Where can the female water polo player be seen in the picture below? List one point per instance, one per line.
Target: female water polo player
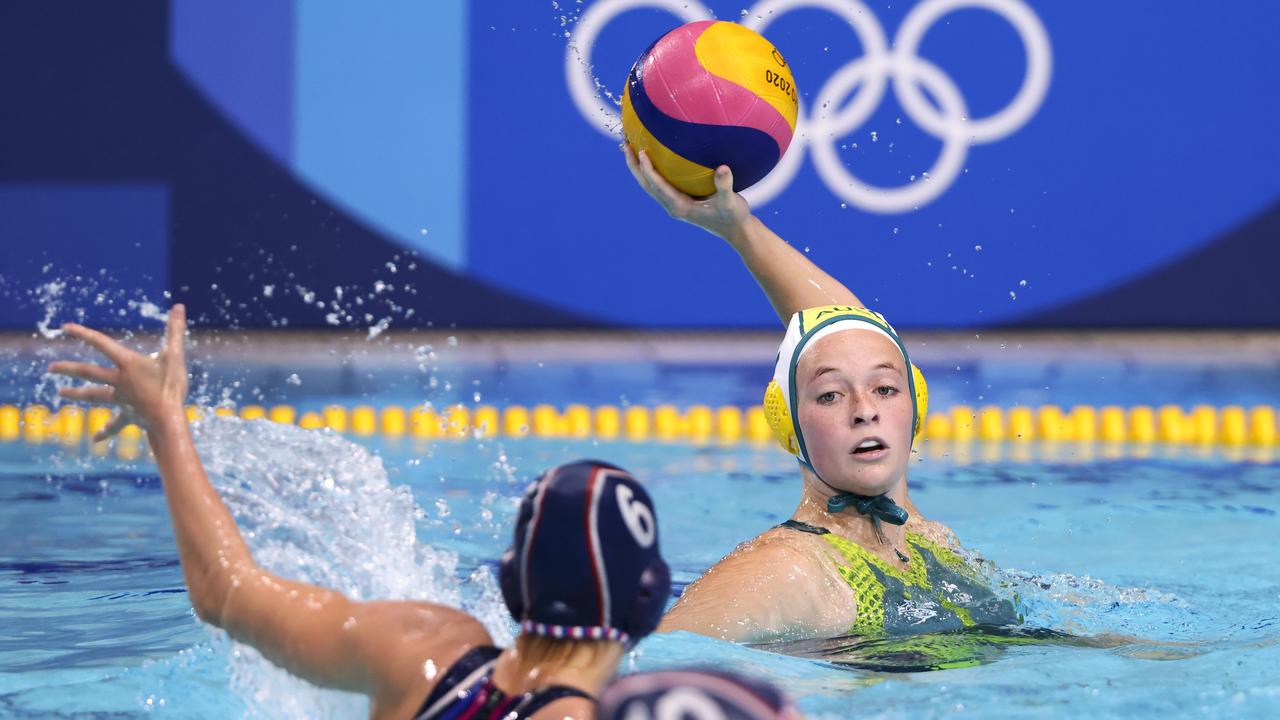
(856, 556)
(413, 659)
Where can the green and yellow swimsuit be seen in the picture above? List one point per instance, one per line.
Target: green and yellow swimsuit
(935, 612)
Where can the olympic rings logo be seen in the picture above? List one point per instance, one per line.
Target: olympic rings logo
(864, 80)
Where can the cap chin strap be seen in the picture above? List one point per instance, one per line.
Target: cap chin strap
(877, 507)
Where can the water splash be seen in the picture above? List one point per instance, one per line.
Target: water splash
(318, 508)
(149, 310)
(96, 298)
(1084, 605)
(49, 295)
(378, 328)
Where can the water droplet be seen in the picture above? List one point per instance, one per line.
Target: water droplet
(1022, 283)
(874, 137)
(294, 380)
(895, 231)
(1013, 295)
(452, 341)
(977, 248)
(379, 328)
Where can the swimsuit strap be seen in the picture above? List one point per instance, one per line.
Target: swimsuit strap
(474, 665)
(470, 676)
(803, 527)
(543, 697)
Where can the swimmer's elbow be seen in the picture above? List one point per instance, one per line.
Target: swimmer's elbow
(209, 613)
(211, 591)
(208, 605)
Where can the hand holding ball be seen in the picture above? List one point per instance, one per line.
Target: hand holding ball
(706, 94)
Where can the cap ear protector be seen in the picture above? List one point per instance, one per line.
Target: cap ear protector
(585, 562)
(802, 329)
(650, 601)
(779, 416)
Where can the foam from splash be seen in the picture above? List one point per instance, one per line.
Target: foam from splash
(1085, 605)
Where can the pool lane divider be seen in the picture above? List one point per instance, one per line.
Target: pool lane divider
(1202, 425)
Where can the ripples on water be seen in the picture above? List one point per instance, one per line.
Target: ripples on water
(98, 588)
(312, 506)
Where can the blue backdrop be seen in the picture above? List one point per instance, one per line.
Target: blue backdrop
(961, 163)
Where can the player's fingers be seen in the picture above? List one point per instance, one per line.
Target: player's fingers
(175, 331)
(633, 164)
(116, 352)
(118, 423)
(95, 394)
(84, 371)
(724, 180)
(664, 191)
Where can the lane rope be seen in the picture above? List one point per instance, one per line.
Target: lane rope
(1201, 425)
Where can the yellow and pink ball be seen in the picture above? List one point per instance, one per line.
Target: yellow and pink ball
(706, 94)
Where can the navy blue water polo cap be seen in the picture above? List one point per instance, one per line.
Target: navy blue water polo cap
(692, 694)
(585, 562)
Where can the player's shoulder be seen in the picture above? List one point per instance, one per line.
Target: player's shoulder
(935, 532)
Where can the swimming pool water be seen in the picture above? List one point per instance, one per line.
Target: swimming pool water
(1176, 550)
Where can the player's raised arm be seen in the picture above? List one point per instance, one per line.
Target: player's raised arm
(789, 279)
(314, 632)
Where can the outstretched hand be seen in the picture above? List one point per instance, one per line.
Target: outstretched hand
(144, 387)
(724, 214)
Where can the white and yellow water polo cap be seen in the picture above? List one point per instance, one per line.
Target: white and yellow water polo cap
(806, 328)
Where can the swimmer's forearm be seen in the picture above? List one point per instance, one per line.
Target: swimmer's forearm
(212, 551)
(789, 279)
